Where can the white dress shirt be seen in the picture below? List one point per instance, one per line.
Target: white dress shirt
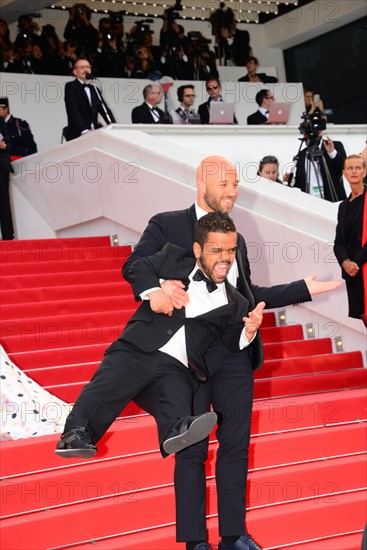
(201, 301)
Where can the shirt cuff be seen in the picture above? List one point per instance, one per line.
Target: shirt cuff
(333, 154)
(144, 296)
(244, 342)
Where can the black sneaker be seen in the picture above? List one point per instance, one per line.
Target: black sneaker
(76, 443)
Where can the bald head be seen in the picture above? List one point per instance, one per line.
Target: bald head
(217, 184)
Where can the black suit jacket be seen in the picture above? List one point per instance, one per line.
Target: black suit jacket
(204, 113)
(257, 118)
(22, 141)
(177, 227)
(143, 115)
(81, 115)
(265, 78)
(150, 331)
(335, 167)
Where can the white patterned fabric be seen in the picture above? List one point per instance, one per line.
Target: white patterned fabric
(27, 409)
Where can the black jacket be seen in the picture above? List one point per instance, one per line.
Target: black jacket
(21, 137)
(257, 118)
(177, 227)
(143, 115)
(150, 331)
(81, 115)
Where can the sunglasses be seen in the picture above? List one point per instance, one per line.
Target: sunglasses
(189, 95)
(209, 88)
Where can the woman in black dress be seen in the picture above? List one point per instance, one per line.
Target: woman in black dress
(350, 245)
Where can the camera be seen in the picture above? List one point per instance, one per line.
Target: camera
(172, 12)
(313, 125)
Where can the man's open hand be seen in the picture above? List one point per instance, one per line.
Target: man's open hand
(318, 287)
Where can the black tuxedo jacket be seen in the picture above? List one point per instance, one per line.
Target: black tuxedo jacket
(149, 331)
(257, 118)
(204, 113)
(335, 167)
(143, 115)
(340, 247)
(177, 227)
(81, 115)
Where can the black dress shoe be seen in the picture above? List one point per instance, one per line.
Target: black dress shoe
(203, 546)
(188, 431)
(243, 543)
(76, 443)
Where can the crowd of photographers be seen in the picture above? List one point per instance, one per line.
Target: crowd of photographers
(115, 53)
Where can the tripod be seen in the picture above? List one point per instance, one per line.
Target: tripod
(315, 160)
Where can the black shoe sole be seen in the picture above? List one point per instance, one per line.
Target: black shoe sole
(199, 429)
(81, 453)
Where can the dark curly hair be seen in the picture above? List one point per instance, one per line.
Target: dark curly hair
(214, 222)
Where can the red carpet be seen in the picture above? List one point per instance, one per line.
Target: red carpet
(62, 302)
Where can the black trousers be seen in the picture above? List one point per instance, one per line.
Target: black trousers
(125, 372)
(230, 391)
(6, 220)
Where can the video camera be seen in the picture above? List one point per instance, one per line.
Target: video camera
(172, 12)
(313, 125)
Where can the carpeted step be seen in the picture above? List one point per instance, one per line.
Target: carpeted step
(310, 383)
(70, 307)
(138, 510)
(269, 388)
(339, 541)
(277, 483)
(59, 356)
(9, 250)
(52, 269)
(75, 372)
(91, 253)
(66, 292)
(97, 276)
(281, 334)
(310, 364)
(61, 330)
(277, 418)
(297, 348)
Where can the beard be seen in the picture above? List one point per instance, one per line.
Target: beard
(215, 204)
(209, 271)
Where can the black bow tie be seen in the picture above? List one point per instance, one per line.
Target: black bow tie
(86, 85)
(210, 285)
(266, 112)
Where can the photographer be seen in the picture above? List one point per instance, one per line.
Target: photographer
(319, 167)
(175, 61)
(80, 30)
(110, 57)
(232, 45)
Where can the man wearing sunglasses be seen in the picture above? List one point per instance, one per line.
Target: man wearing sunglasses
(264, 99)
(214, 90)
